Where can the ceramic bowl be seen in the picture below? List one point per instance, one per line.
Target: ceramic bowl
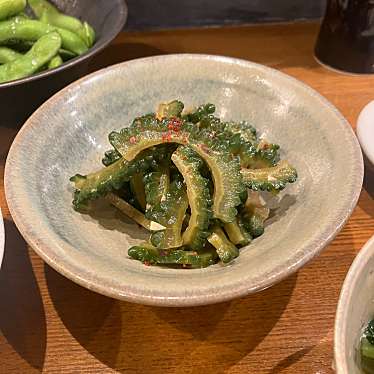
(18, 99)
(365, 131)
(355, 310)
(68, 134)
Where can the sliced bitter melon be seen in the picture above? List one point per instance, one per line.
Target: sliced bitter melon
(270, 179)
(94, 185)
(170, 213)
(225, 249)
(111, 178)
(224, 168)
(133, 213)
(137, 188)
(254, 214)
(237, 232)
(148, 254)
(156, 186)
(189, 163)
(169, 110)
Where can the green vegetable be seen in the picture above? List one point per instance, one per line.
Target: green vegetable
(224, 168)
(137, 188)
(237, 232)
(55, 62)
(241, 139)
(151, 255)
(169, 110)
(49, 14)
(9, 8)
(42, 52)
(367, 348)
(8, 55)
(170, 213)
(189, 173)
(156, 185)
(254, 214)
(132, 213)
(20, 28)
(270, 179)
(95, 185)
(98, 184)
(189, 164)
(225, 249)
(369, 332)
(201, 112)
(110, 157)
(66, 55)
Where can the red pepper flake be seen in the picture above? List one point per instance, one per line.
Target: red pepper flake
(133, 140)
(167, 137)
(174, 124)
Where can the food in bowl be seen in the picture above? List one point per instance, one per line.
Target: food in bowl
(28, 46)
(367, 348)
(192, 180)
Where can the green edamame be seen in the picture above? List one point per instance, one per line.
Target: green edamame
(66, 55)
(23, 46)
(55, 62)
(48, 13)
(89, 33)
(8, 55)
(71, 41)
(28, 45)
(40, 54)
(9, 8)
(19, 28)
(39, 7)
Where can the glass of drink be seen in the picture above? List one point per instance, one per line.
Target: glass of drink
(346, 38)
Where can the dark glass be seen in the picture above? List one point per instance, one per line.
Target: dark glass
(346, 38)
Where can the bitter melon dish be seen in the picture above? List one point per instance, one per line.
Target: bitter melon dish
(192, 180)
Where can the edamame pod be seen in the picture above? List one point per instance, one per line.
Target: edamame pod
(9, 8)
(55, 62)
(8, 55)
(66, 55)
(89, 34)
(49, 14)
(23, 46)
(39, 55)
(19, 28)
(41, 6)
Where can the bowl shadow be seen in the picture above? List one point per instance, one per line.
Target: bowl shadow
(22, 317)
(136, 338)
(110, 218)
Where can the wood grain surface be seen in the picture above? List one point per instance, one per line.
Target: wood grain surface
(51, 325)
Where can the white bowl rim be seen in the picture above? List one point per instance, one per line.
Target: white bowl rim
(208, 298)
(345, 296)
(364, 124)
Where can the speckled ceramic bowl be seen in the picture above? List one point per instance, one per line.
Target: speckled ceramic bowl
(355, 310)
(68, 134)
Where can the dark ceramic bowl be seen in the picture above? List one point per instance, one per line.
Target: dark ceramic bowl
(18, 99)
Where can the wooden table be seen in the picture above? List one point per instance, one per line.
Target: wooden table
(51, 325)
